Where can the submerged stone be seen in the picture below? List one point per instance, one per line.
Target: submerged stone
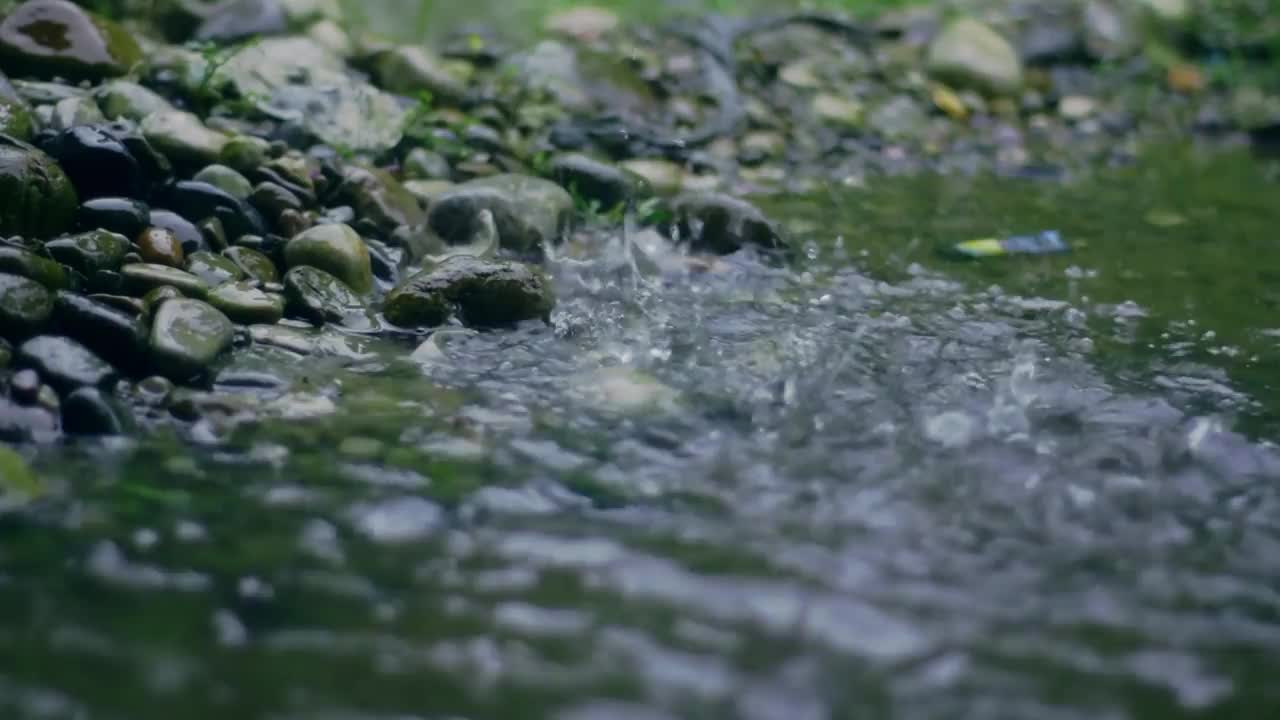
(187, 336)
(48, 38)
(336, 249)
(25, 306)
(64, 363)
(529, 212)
(970, 54)
(484, 293)
(36, 198)
(318, 297)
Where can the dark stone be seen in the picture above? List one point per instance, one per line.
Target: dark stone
(593, 180)
(187, 336)
(48, 38)
(161, 247)
(241, 19)
(125, 216)
(253, 264)
(271, 199)
(36, 198)
(48, 273)
(187, 233)
(64, 363)
(215, 236)
(117, 334)
(485, 293)
(98, 164)
(90, 252)
(304, 194)
(25, 306)
(318, 297)
(198, 200)
(89, 412)
(720, 224)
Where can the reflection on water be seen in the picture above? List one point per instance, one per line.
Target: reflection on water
(873, 486)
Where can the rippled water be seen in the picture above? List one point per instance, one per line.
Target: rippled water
(875, 485)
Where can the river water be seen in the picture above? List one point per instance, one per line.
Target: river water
(875, 484)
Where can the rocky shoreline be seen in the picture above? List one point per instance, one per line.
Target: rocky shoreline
(252, 173)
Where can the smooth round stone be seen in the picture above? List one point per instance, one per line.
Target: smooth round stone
(48, 273)
(336, 249)
(593, 180)
(485, 293)
(98, 163)
(245, 153)
(721, 224)
(161, 247)
(116, 332)
(245, 304)
(24, 387)
(129, 100)
(187, 336)
(25, 306)
(226, 180)
(91, 251)
(64, 363)
(181, 137)
(253, 264)
(57, 38)
(315, 295)
(271, 199)
(528, 212)
(37, 200)
(380, 199)
(141, 278)
(89, 412)
(186, 231)
(215, 236)
(125, 216)
(198, 200)
(213, 269)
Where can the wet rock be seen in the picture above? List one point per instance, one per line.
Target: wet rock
(125, 216)
(720, 224)
(662, 176)
(182, 138)
(89, 412)
(380, 198)
(36, 198)
(315, 295)
(227, 180)
(241, 19)
(16, 120)
(483, 293)
(529, 212)
(245, 153)
(214, 235)
(971, 55)
(422, 164)
(90, 252)
(73, 112)
(198, 200)
(187, 336)
(156, 296)
(141, 278)
(188, 235)
(98, 164)
(246, 304)
(585, 23)
(411, 69)
(253, 264)
(16, 261)
(272, 200)
(64, 363)
(116, 334)
(213, 269)
(25, 306)
(129, 100)
(57, 38)
(336, 249)
(161, 247)
(336, 107)
(1110, 32)
(593, 180)
(26, 424)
